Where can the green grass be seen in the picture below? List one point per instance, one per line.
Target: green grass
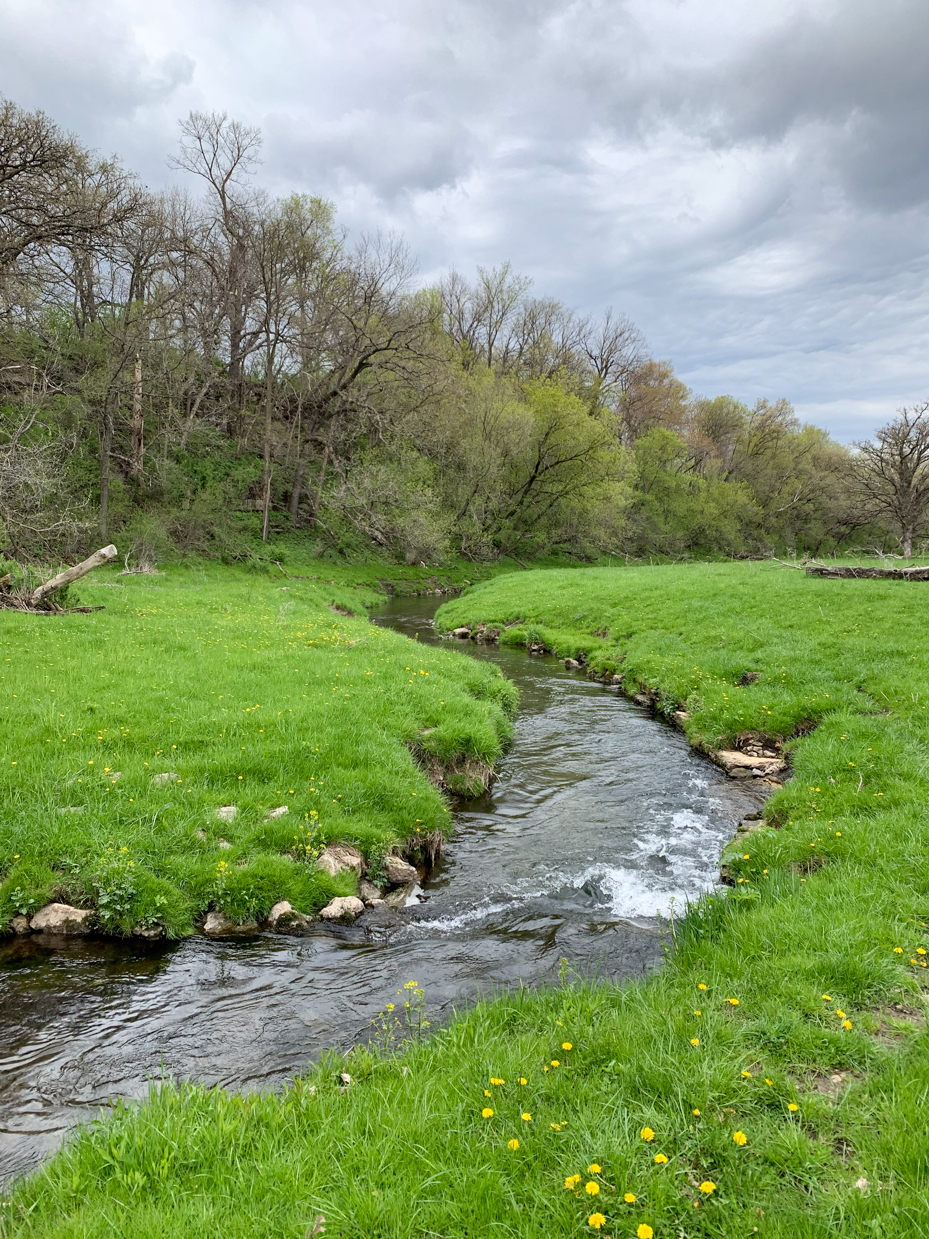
(248, 693)
(742, 1023)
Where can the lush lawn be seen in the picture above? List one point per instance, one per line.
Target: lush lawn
(780, 1059)
(247, 691)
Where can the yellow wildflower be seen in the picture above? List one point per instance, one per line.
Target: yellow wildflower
(846, 1024)
(591, 1188)
(707, 1187)
(701, 986)
(647, 1134)
(645, 1231)
(696, 1114)
(733, 1002)
(747, 1075)
(572, 1181)
(629, 1197)
(523, 1080)
(555, 1062)
(526, 1117)
(660, 1159)
(793, 1107)
(566, 1045)
(487, 1113)
(512, 1144)
(593, 1168)
(694, 1040)
(740, 1138)
(596, 1220)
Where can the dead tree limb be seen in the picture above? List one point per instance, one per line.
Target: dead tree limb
(847, 572)
(103, 556)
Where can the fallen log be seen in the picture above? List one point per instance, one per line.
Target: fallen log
(849, 572)
(97, 560)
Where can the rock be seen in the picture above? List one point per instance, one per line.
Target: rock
(227, 813)
(571, 664)
(61, 918)
(278, 812)
(150, 933)
(345, 908)
(380, 920)
(642, 699)
(20, 925)
(169, 776)
(399, 871)
(368, 892)
(740, 765)
(746, 826)
(397, 898)
(461, 633)
(223, 843)
(218, 925)
(284, 918)
(681, 716)
(617, 679)
(201, 835)
(338, 857)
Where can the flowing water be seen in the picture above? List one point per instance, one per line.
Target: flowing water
(601, 817)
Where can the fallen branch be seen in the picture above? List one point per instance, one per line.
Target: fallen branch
(97, 560)
(849, 572)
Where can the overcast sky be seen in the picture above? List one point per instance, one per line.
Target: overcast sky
(747, 179)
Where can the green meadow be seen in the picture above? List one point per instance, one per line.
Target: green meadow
(772, 1079)
(126, 730)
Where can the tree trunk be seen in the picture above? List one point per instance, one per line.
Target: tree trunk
(906, 542)
(266, 492)
(103, 556)
(106, 448)
(298, 486)
(137, 422)
(322, 481)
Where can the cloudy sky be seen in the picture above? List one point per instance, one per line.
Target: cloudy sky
(747, 179)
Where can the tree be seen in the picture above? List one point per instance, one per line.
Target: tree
(893, 474)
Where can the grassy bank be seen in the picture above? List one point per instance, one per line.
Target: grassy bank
(127, 729)
(772, 1079)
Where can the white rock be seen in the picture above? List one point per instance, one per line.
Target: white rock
(151, 933)
(399, 895)
(368, 892)
(227, 813)
(571, 664)
(218, 925)
(223, 843)
(345, 908)
(61, 918)
(338, 857)
(399, 871)
(168, 776)
(283, 917)
(278, 812)
(461, 633)
(20, 925)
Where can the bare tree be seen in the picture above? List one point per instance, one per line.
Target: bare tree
(893, 474)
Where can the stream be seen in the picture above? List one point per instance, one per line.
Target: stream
(601, 817)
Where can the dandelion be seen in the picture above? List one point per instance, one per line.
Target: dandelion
(591, 1188)
(526, 1117)
(647, 1134)
(740, 1138)
(694, 1040)
(846, 1024)
(495, 1080)
(555, 1126)
(767, 1081)
(512, 1144)
(660, 1159)
(572, 1181)
(486, 1090)
(827, 998)
(793, 1107)
(747, 1075)
(698, 1013)
(629, 1198)
(733, 1002)
(555, 1062)
(523, 1080)
(696, 1114)
(487, 1113)
(596, 1220)
(707, 1187)
(566, 1045)
(920, 950)
(701, 986)
(593, 1168)
(645, 1231)
(840, 1014)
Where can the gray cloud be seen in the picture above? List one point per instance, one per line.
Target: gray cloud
(749, 182)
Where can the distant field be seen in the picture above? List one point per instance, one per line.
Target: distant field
(772, 1079)
(248, 692)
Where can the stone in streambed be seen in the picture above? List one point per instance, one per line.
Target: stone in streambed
(571, 664)
(149, 933)
(380, 920)
(218, 925)
(20, 925)
(284, 918)
(344, 908)
(398, 871)
(397, 898)
(369, 893)
(338, 857)
(61, 918)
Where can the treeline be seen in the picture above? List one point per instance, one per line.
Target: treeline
(190, 373)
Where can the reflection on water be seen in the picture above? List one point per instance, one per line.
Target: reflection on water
(601, 818)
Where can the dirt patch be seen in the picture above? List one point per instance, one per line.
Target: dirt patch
(898, 1021)
(466, 777)
(829, 1085)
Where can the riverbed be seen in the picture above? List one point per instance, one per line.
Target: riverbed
(602, 819)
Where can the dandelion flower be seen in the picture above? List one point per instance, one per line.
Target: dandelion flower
(647, 1134)
(694, 1040)
(660, 1159)
(707, 1187)
(591, 1188)
(793, 1107)
(701, 986)
(645, 1231)
(696, 1114)
(555, 1126)
(733, 1002)
(566, 1045)
(572, 1181)
(767, 1081)
(593, 1168)
(526, 1116)
(487, 1113)
(512, 1144)
(629, 1197)
(840, 1014)
(846, 1024)
(486, 1092)
(920, 950)
(555, 1062)
(496, 1080)
(523, 1080)
(698, 1012)
(596, 1220)
(740, 1138)
(747, 1075)
(827, 998)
